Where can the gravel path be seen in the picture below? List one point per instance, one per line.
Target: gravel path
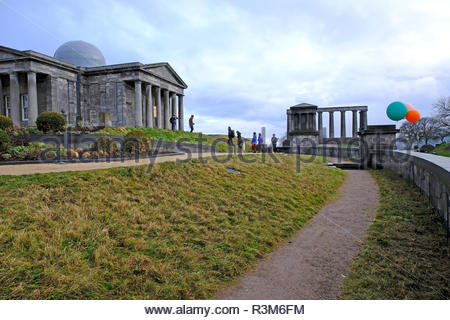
(313, 264)
(22, 169)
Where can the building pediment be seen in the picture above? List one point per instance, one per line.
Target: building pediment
(165, 71)
(8, 53)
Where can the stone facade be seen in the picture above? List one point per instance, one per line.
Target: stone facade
(129, 94)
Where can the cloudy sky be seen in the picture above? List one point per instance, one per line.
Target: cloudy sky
(246, 62)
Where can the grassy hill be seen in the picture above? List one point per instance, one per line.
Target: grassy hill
(443, 149)
(180, 231)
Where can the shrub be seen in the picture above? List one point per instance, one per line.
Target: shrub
(136, 142)
(426, 148)
(50, 121)
(79, 150)
(19, 136)
(86, 155)
(5, 141)
(6, 123)
(49, 155)
(72, 154)
(6, 156)
(105, 145)
(30, 152)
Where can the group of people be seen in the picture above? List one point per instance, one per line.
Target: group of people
(257, 141)
(173, 121)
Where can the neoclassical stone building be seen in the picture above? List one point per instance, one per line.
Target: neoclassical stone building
(77, 83)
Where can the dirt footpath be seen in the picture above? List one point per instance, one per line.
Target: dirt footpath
(313, 264)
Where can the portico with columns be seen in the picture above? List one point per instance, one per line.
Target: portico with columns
(301, 123)
(121, 95)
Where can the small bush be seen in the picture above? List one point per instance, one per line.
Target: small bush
(50, 121)
(5, 141)
(105, 145)
(30, 152)
(6, 156)
(6, 123)
(136, 142)
(72, 154)
(86, 155)
(19, 136)
(49, 155)
(426, 148)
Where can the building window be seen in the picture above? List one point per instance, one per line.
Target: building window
(24, 104)
(7, 106)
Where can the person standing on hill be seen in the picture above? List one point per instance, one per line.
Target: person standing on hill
(254, 142)
(230, 136)
(173, 121)
(191, 123)
(239, 140)
(260, 142)
(274, 143)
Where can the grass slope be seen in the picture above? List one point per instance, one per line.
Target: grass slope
(406, 255)
(179, 232)
(443, 150)
(169, 135)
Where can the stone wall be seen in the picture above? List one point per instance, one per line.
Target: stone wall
(428, 172)
(84, 141)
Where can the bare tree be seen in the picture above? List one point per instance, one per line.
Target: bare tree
(428, 128)
(442, 107)
(410, 131)
(443, 132)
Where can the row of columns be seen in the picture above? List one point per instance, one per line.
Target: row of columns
(14, 98)
(362, 123)
(162, 121)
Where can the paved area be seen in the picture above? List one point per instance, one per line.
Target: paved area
(313, 264)
(23, 169)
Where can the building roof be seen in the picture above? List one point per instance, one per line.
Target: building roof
(80, 53)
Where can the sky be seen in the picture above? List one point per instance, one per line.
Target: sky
(246, 62)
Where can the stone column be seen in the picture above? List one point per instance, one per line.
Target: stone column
(149, 107)
(343, 135)
(14, 98)
(138, 103)
(354, 124)
(32, 99)
(288, 125)
(180, 113)
(331, 124)
(319, 113)
(159, 117)
(2, 103)
(166, 109)
(363, 120)
(173, 96)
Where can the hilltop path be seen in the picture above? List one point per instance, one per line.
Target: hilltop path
(314, 262)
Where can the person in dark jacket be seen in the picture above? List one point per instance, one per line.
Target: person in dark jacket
(191, 123)
(239, 140)
(173, 121)
(274, 143)
(230, 136)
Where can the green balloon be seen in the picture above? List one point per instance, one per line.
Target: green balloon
(396, 110)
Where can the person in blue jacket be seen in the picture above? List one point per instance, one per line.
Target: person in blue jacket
(254, 142)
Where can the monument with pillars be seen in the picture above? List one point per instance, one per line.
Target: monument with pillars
(303, 128)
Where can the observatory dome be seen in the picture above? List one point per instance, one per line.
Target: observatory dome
(80, 53)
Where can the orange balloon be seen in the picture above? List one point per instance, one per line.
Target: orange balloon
(409, 106)
(413, 115)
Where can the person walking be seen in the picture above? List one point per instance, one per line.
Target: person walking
(173, 121)
(274, 143)
(260, 142)
(254, 142)
(230, 136)
(239, 140)
(191, 123)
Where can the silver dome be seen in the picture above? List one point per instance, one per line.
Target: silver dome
(80, 53)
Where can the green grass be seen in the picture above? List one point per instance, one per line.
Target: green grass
(443, 150)
(181, 231)
(169, 135)
(406, 254)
